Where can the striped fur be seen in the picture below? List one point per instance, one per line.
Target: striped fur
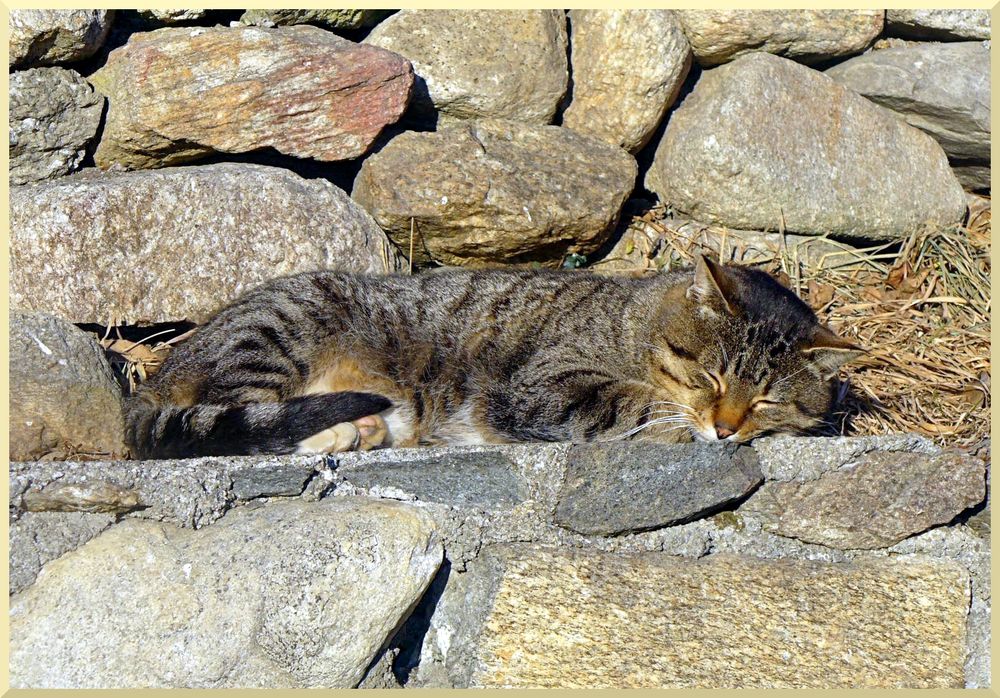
(493, 356)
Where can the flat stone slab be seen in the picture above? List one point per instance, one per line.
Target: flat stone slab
(613, 489)
(874, 502)
(544, 618)
(486, 479)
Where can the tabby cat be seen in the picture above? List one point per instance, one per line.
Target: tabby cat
(325, 361)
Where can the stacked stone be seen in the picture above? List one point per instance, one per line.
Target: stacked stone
(162, 163)
(798, 562)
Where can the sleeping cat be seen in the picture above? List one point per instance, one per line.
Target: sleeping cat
(326, 361)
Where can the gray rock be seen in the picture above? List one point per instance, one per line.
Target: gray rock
(471, 64)
(719, 36)
(106, 247)
(496, 192)
(44, 37)
(273, 481)
(54, 116)
(335, 19)
(38, 538)
(628, 68)
(190, 492)
(974, 177)
(482, 480)
(618, 488)
(64, 400)
(805, 458)
(172, 16)
(938, 24)
(764, 143)
(942, 89)
(874, 502)
(285, 595)
(302, 91)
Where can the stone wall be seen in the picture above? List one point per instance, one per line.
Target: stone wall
(535, 565)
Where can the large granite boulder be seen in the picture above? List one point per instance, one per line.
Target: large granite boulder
(628, 67)
(764, 143)
(45, 37)
(291, 595)
(470, 64)
(942, 89)
(174, 244)
(719, 36)
(54, 117)
(496, 192)
(176, 94)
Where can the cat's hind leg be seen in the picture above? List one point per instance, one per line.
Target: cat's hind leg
(360, 435)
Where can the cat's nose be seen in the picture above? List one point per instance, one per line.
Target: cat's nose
(723, 431)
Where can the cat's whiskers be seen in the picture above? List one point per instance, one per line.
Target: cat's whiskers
(678, 421)
(668, 402)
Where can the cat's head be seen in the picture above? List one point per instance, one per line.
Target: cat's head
(743, 356)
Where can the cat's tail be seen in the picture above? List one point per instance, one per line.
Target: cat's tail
(154, 429)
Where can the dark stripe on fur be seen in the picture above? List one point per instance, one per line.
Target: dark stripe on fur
(167, 431)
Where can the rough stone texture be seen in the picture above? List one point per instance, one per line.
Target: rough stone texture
(538, 617)
(960, 544)
(719, 36)
(177, 94)
(874, 502)
(54, 116)
(190, 492)
(801, 459)
(470, 64)
(938, 24)
(973, 177)
(150, 605)
(942, 89)
(628, 67)
(64, 400)
(486, 480)
(764, 143)
(37, 538)
(335, 19)
(44, 37)
(277, 481)
(94, 496)
(91, 248)
(614, 489)
(172, 16)
(496, 192)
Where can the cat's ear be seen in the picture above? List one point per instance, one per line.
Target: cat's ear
(712, 284)
(829, 351)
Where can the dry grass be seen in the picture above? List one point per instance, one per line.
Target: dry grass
(921, 308)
